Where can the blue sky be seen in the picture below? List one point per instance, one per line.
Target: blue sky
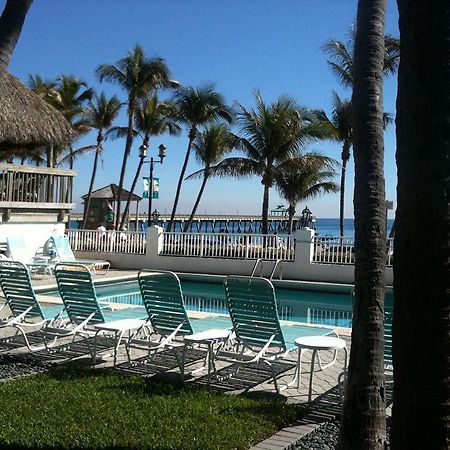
(239, 45)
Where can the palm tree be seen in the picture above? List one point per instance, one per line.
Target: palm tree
(296, 186)
(70, 97)
(363, 422)
(137, 75)
(11, 22)
(272, 138)
(210, 146)
(153, 118)
(100, 113)
(342, 131)
(197, 107)
(420, 416)
(342, 57)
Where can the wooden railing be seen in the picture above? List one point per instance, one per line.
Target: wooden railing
(35, 187)
(224, 245)
(341, 250)
(107, 241)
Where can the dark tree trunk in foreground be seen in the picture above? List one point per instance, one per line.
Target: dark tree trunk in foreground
(192, 135)
(363, 423)
(11, 23)
(421, 328)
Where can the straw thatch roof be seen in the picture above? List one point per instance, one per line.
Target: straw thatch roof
(111, 192)
(27, 121)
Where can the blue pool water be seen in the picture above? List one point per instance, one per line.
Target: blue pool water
(299, 305)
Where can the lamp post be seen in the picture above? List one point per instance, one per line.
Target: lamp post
(306, 217)
(142, 154)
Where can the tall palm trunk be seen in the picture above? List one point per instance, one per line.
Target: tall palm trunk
(363, 423)
(11, 23)
(265, 209)
(133, 185)
(421, 328)
(192, 135)
(345, 158)
(197, 202)
(291, 212)
(94, 173)
(126, 154)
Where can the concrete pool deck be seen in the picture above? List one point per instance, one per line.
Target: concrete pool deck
(325, 403)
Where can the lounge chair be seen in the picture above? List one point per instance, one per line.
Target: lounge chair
(163, 299)
(37, 263)
(26, 311)
(87, 318)
(65, 254)
(259, 335)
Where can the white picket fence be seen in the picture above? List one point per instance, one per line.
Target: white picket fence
(341, 250)
(224, 245)
(109, 241)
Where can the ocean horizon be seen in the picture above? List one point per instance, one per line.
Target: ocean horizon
(324, 226)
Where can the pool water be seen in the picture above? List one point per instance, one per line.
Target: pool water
(299, 305)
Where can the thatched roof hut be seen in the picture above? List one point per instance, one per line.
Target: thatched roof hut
(27, 121)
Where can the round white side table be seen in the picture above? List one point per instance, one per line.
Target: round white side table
(317, 343)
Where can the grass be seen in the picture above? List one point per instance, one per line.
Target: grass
(96, 408)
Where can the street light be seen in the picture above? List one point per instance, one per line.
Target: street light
(142, 154)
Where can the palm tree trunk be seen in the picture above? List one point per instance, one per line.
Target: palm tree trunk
(363, 422)
(265, 209)
(345, 158)
(133, 185)
(11, 23)
(194, 209)
(94, 173)
(126, 154)
(192, 135)
(291, 212)
(421, 325)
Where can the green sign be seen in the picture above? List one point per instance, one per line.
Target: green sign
(155, 187)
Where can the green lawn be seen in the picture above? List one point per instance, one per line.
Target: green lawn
(88, 408)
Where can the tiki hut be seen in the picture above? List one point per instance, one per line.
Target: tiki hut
(27, 121)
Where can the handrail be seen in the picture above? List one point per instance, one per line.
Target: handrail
(259, 260)
(278, 262)
(35, 169)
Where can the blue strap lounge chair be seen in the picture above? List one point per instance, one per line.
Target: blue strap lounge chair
(87, 317)
(65, 254)
(26, 312)
(259, 335)
(163, 299)
(37, 263)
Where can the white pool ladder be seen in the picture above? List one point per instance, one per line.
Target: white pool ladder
(260, 262)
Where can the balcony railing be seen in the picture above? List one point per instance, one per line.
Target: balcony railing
(35, 187)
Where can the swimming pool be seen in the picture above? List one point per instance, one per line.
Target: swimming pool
(312, 303)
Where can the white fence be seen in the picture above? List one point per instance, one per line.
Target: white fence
(341, 250)
(109, 241)
(224, 245)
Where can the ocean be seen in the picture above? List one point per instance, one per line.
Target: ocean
(324, 226)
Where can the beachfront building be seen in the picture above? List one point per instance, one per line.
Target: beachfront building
(34, 201)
